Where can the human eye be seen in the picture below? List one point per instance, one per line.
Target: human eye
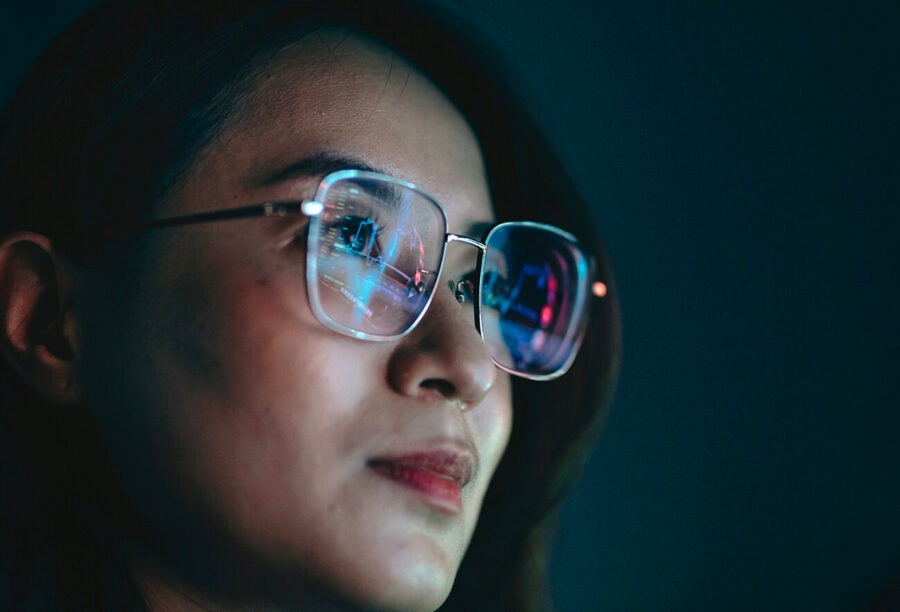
(358, 233)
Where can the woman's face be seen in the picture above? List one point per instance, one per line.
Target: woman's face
(268, 455)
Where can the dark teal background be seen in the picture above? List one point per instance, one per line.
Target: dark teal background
(743, 160)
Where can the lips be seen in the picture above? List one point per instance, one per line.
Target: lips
(438, 476)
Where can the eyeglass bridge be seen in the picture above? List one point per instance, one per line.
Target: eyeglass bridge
(464, 289)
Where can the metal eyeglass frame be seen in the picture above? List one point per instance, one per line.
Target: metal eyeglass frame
(313, 208)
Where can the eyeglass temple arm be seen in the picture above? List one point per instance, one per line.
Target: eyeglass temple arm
(310, 208)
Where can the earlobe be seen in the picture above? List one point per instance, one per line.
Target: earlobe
(37, 331)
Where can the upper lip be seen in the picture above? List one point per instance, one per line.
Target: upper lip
(456, 464)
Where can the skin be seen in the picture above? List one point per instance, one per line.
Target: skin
(243, 429)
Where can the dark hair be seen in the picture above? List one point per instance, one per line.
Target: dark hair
(110, 118)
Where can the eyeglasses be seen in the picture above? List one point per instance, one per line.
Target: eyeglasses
(375, 249)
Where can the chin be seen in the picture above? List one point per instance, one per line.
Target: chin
(408, 584)
(423, 587)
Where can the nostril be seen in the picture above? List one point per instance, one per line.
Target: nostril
(442, 387)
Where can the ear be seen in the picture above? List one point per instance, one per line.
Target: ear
(37, 326)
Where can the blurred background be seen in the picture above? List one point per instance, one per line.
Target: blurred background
(743, 159)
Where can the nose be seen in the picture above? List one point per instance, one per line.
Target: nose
(443, 356)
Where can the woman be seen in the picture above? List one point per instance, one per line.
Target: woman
(235, 376)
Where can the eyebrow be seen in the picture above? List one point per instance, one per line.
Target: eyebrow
(318, 166)
(324, 163)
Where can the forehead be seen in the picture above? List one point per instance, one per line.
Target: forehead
(339, 93)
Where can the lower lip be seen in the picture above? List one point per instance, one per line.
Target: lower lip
(440, 492)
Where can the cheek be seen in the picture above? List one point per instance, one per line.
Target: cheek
(492, 424)
(278, 422)
(238, 326)
(209, 385)
(247, 371)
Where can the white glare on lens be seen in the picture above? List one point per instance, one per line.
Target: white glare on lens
(312, 208)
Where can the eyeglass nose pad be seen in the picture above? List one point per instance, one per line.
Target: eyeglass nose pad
(462, 290)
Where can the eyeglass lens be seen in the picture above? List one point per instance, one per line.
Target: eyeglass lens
(533, 298)
(379, 247)
(375, 253)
